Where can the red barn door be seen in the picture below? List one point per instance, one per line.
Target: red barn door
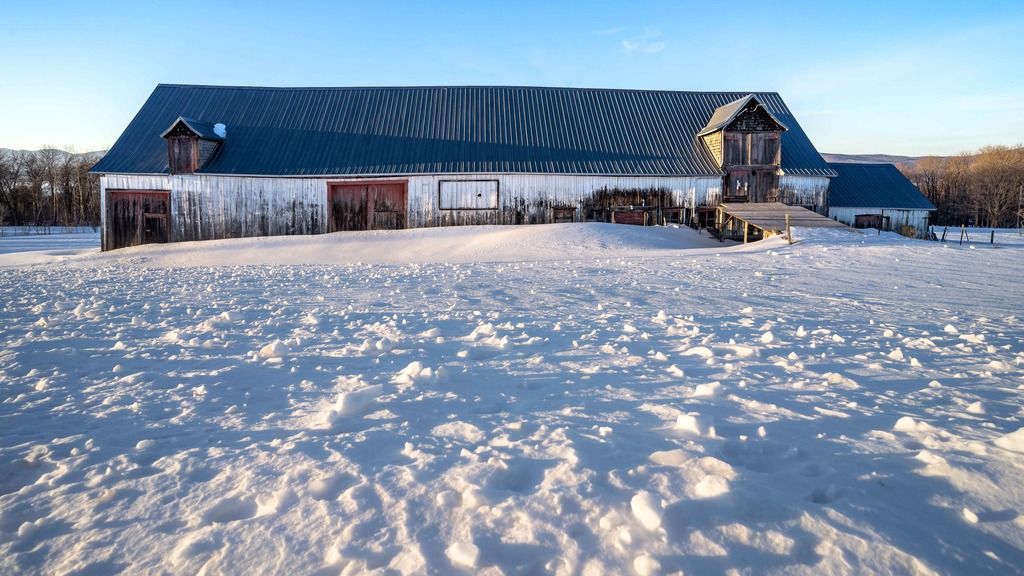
(137, 217)
(368, 206)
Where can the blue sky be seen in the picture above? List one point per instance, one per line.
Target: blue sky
(861, 77)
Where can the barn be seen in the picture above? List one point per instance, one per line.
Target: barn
(211, 162)
(878, 196)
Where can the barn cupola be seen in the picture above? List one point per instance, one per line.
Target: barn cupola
(191, 143)
(745, 139)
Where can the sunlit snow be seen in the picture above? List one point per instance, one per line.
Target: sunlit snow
(558, 399)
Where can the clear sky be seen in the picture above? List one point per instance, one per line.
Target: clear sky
(864, 76)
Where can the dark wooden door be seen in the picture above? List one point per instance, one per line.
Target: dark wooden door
(137, 217)
(737, 186)
(348, 208)
(368, 206)
(749, 185)
(387, 204)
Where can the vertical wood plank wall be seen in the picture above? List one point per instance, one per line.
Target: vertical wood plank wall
(205, 207)
(809, 191)
(918, 219)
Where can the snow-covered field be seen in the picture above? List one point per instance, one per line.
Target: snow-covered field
(997, 236)
(33, 238)
(522, 400)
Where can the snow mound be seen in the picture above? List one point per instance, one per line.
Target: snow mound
(275, 349)
(355, 398)
(908, 424)
(647, 509)
(1014, 441)
(695, 424)
(416, 372)
(711, 486)
(463, 554)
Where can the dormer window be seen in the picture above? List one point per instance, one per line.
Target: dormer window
(744, 133)
(191, 143)
(745, 140)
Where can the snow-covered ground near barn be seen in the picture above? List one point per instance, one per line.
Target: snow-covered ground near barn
(54, 239)
(996, 236)
(551, 399)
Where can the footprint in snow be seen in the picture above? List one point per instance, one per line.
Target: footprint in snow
(330, 486)
(826, 494)
(230, 510)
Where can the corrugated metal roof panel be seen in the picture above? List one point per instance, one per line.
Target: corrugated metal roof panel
(368, 131)
(874, 186)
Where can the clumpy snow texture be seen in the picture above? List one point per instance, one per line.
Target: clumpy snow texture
(578, 399)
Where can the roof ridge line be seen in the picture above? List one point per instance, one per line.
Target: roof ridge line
(438, 86)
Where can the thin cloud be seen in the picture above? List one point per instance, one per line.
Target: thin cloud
(609, 31)
(646, 43)
(643, 47)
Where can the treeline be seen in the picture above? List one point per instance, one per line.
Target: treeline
(48, 187)
(53, 187)
(983, 189)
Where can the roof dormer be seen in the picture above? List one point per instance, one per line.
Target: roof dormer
(191, 143)
(745, 133)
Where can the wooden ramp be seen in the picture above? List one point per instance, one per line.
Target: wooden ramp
(753, 221)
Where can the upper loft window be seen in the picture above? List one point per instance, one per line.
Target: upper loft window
(744, 133)
(468, 194)
(752, 149)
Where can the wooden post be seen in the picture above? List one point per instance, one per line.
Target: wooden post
(746, 227)
(789, 231)
(963, 231)
(944, 233)
(992, 239)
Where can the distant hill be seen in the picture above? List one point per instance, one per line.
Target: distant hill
(899, 161)
(868, 158)
(93, 156)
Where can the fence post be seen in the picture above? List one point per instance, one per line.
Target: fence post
(992, 239)
(789, 231)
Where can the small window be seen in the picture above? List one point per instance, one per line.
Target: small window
(468, 195)
(768, 149)
(734, 144)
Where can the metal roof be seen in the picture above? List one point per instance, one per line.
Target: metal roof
(204, 130)
(417, 130)
(725, 114)
(874, 186)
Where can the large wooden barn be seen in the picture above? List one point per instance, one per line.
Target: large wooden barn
(878, 196)
(209, 162)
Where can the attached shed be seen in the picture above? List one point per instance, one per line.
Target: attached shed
(878, 196)
(210, 162)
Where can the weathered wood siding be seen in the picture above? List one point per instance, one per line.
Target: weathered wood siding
(534, 198)
(808, 191)
(753, 118)
(210, 207)
(207, 207)
(713, 142)
(897, 218)
(121, 182)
